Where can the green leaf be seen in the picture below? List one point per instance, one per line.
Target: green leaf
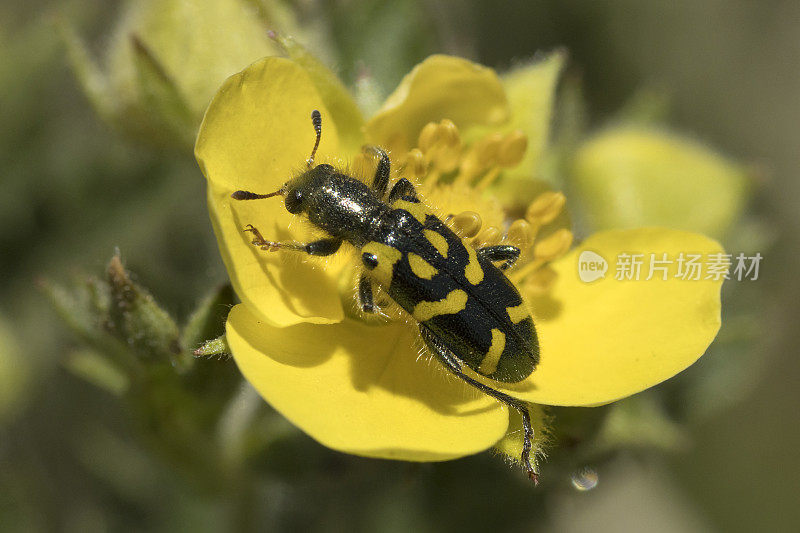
(640, 421)
(631, 176)
(89, 75)
(15, 374)
(98, 370)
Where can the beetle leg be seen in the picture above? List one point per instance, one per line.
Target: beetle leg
(381, 180)
(402, 189)
(453, 364)
(366, 300)
(321, 247)
(501, 252)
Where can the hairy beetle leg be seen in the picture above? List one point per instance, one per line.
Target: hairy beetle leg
(381, 179)
(403, 189)
(366, 300)
(452, 363)
(501, 252)
(321, 247)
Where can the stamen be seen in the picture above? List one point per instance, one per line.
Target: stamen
(466, 224)
(488, 178)
(441, 144)
(428, 136)
(521, 234)
(553, 246)
(540, 282)
(449, 132)
(489, 148)
(488, 237)
(481, 156)
(414, 164)
(545, 208)
(512, 149)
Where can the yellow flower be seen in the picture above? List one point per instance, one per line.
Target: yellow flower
(360, 385)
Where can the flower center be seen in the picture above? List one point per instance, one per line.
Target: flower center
(455, 178)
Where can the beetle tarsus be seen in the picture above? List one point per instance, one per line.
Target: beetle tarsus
(449, 359)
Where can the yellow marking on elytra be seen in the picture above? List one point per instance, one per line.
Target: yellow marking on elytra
(492, 357)
(518, 313)
(473, 271)
(454, 302)
(387, 258)
(420, 267)
(417, 209)
(438, 241)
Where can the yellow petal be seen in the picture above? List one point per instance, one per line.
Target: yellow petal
(441, 87)
(336, 96)
(631, 177)
(607, 339)
(360, 389)
(531, 91)
(255, 134)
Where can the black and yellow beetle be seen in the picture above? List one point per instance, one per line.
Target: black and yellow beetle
(468, 312)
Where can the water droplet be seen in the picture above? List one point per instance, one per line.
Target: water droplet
(585, 479)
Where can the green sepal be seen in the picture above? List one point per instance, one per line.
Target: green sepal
(85, 310)
(218, 346)
(168, 111)
(207, 321)
(139, 321)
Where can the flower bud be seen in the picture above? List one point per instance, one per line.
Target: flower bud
(137, 319)
(165, 62)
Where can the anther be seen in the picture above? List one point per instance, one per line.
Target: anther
(545, 208)
(488, 149)
(488, 237)
(428, 136)
(448, 133)
(414, 163)
(553, 246)
(521, 234)
(512, 149)
(466, 224)
(539, 282)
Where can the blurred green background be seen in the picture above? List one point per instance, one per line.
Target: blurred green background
(78, 457)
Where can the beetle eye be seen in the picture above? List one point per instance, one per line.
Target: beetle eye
(294, 201)
(370, 260)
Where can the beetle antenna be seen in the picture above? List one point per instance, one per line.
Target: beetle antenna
(316, 120)
(247, 195)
